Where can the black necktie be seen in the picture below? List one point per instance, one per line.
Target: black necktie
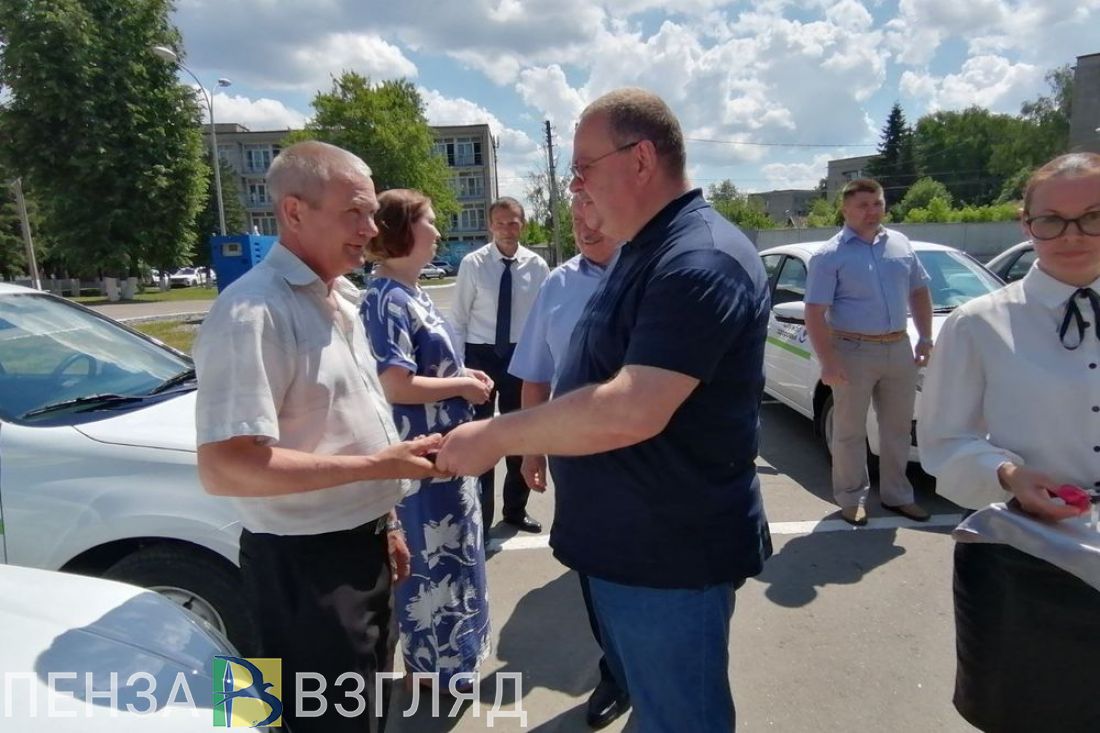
(1073, 314)
(504, 310)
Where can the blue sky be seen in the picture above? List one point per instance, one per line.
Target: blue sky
(814, 80)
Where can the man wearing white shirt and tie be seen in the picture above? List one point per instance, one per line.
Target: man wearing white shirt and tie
(496, 288)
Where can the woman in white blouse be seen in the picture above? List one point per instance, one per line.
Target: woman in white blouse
(1010, 409)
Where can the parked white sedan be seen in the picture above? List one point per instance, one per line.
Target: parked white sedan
(89, 655)
(98, 460)
(792, 373)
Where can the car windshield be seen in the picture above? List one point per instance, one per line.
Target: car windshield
(955, 278)
(52, 352)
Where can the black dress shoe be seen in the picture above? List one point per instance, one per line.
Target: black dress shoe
(526, 523)
(605, 705)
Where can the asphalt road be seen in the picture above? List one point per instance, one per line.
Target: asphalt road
(847, 629)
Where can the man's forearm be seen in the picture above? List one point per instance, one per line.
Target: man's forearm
(817, 328)
(534, 393)
(920, 303)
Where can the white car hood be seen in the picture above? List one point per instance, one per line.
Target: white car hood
(81, 630)
(169, 424)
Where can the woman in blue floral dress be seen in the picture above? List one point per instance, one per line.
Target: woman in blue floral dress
(442, 607)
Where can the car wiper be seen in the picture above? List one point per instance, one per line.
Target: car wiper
(183, 377)
(86, 402)
(944, 309)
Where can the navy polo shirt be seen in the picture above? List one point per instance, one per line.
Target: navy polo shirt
(682, 509)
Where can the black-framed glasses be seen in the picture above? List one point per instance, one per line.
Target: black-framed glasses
(578, 169)
(1052, 226)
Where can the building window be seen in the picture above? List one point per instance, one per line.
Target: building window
(225, 152)
(460, 151)
(257, 158)
(471, 218)
(257, 194)
(470, 185)
(264, 224)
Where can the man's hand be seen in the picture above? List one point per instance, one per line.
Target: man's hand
(475, 391)
(922, 353)
(1033, 490)
(409, 459)
(833, 374)
(533, 470)
(468, 450)
(400, 557)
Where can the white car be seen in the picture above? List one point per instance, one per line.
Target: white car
(432, 272)
(792, 373)
(98, 460)
(185, 277)
(1012, 264)
(141, 657)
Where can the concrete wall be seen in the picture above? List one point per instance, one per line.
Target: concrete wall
(982, 240)
(1085, 115)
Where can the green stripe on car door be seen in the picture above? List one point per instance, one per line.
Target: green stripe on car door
(789, 347)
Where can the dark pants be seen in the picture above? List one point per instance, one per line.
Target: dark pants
(506, 389)
(1027, 640)
(605, 672)
(323, 605)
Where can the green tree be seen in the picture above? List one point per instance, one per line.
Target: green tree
(206, 225)
(100, 129)
(736, 207)
(824, 214)
(539, 227)
(384, 124)
(957, 149)
(919, 195)
(894, 166)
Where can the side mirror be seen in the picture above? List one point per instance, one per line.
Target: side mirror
(793, 312)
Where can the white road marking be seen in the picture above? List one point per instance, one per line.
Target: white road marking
(542, 541)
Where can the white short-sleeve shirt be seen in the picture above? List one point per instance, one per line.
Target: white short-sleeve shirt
(276, 359)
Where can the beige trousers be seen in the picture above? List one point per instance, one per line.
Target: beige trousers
(887, 375)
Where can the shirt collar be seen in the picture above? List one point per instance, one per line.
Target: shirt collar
(847, 234)
(498, 256)
(1050, 292)
(298, 274)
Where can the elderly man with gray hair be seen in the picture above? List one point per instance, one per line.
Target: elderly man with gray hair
(292, 424)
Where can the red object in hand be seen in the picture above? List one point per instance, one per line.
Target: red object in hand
(1073, 496)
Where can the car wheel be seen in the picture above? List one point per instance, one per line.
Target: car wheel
(205, 584)
(825, 430)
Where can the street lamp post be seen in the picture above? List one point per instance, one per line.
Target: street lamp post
(166, 54)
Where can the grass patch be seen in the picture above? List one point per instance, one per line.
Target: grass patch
(177, 334)
(152, 295)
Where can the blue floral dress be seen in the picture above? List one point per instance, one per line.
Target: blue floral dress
(443, 607)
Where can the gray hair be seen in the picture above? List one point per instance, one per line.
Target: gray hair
(637, 114)
(306, 168)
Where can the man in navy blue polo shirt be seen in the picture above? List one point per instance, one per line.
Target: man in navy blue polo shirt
(654, 428)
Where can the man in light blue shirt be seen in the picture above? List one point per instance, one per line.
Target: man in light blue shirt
(860, 288)
(561, 301)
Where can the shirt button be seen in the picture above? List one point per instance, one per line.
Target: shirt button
(1096, 449)
(1092, 366)
(1095, 408)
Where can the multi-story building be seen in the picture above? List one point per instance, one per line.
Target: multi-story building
(843, 170)
(1084, 122)
(468, 150)
(786, 207)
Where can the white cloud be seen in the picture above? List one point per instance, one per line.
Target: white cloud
(546, 89)
(798, 175)
(311, 67)
(256, 114)
(987, 81)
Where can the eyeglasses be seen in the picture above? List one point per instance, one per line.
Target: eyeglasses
(578, 169)
(1052, 226)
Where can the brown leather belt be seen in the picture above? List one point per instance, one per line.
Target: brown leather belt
(875, 338)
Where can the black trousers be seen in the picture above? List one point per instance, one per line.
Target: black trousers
(506, 390)
(323, 605)
(1027, 638)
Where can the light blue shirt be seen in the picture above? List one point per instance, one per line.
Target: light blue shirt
(558, 307)
(866, 285)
